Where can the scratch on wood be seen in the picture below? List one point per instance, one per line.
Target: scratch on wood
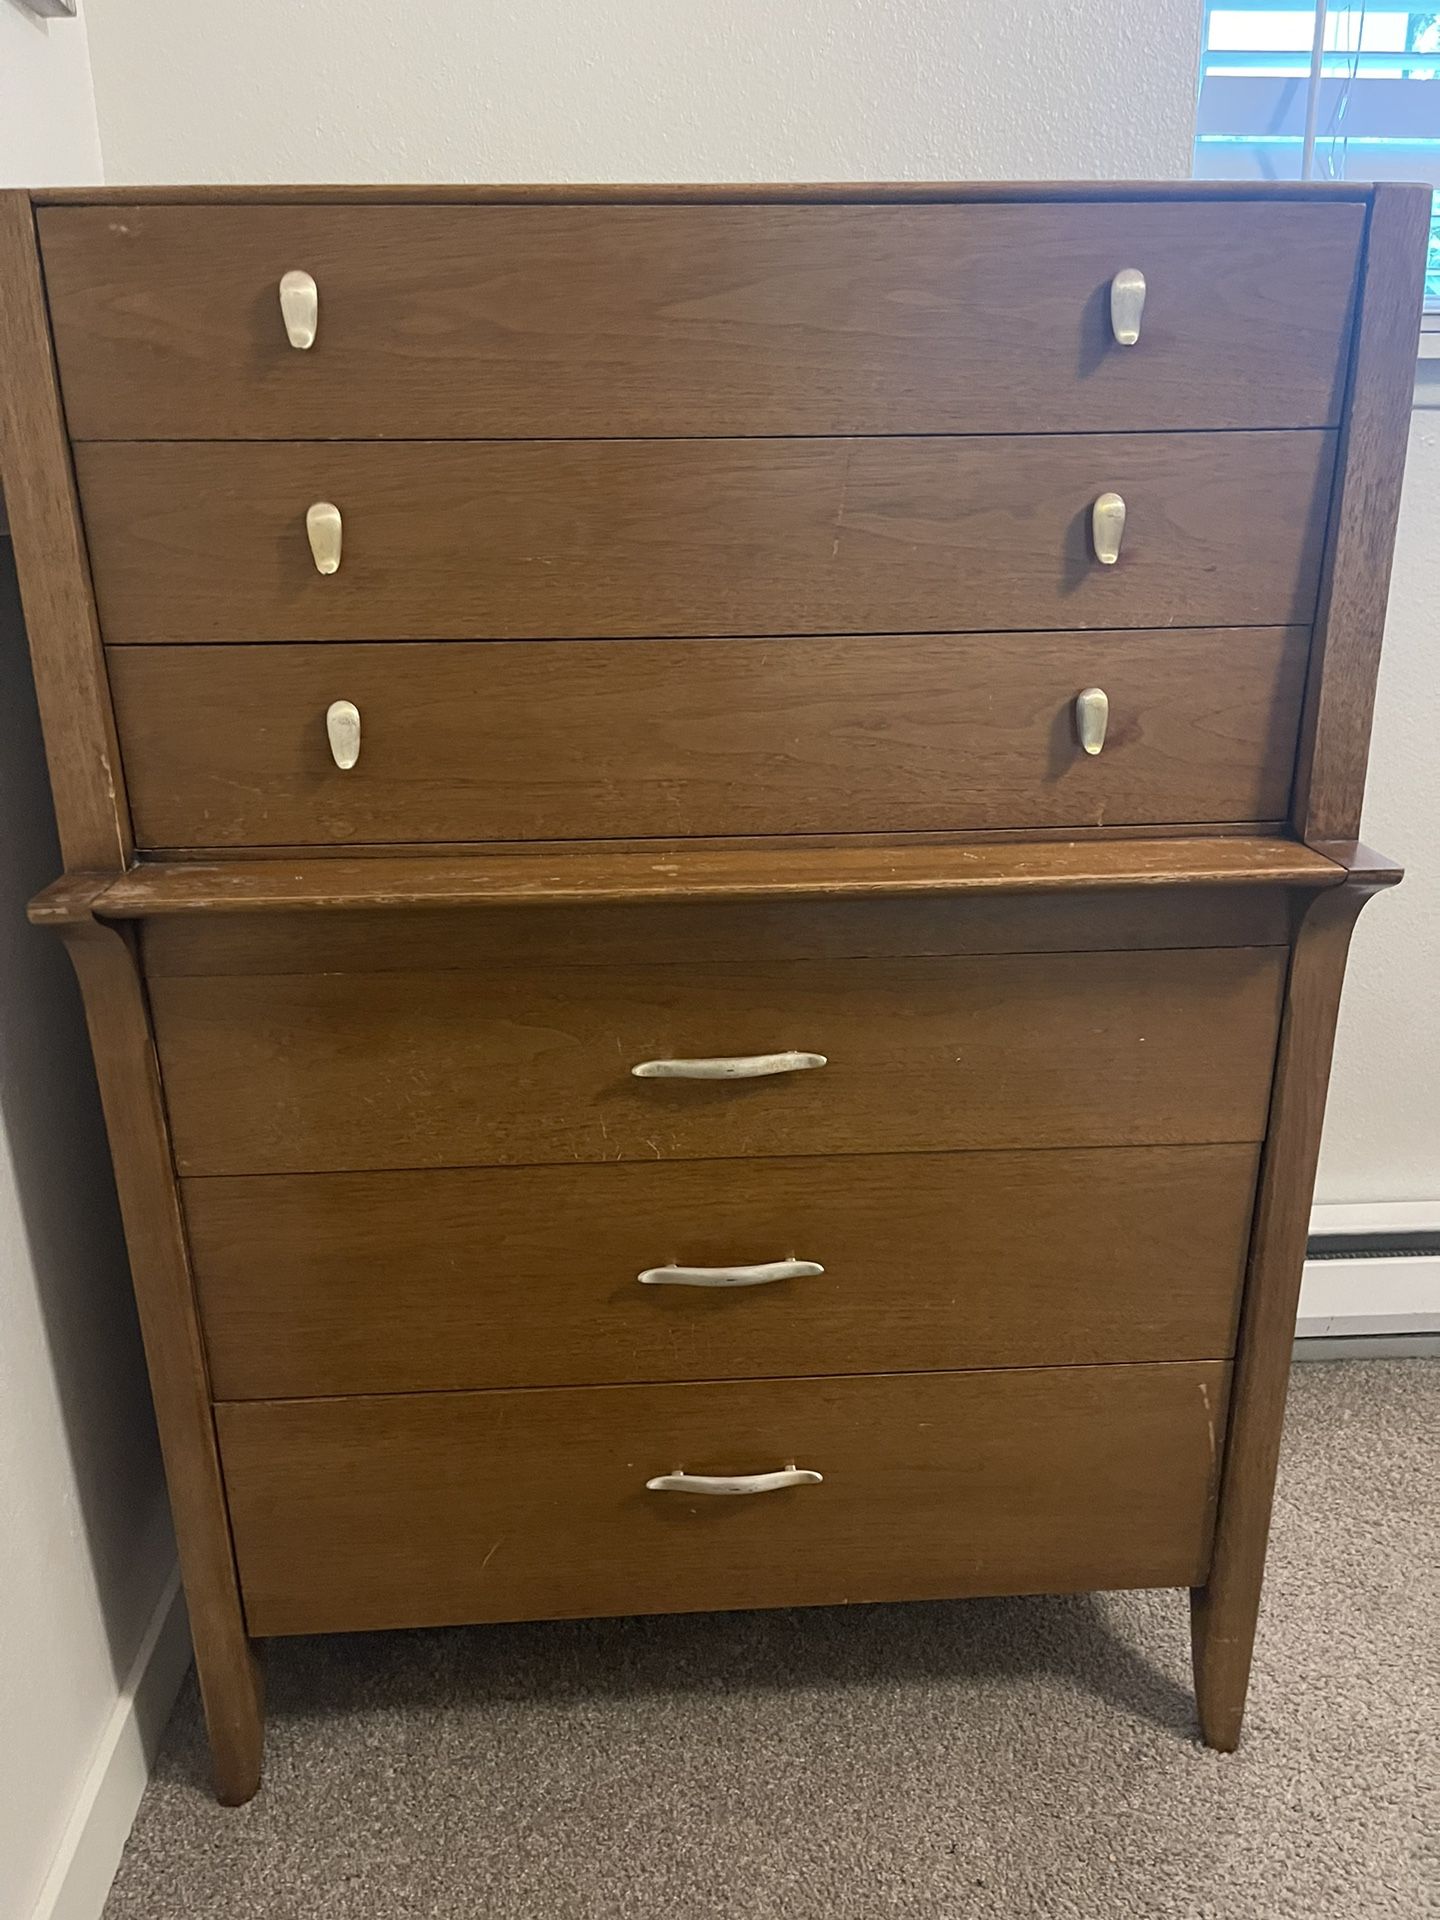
(1209, 1422)
(843, 501)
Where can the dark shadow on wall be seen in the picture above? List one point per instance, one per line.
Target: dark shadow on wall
(52, 1133)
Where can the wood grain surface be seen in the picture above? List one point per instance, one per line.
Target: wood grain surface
(674, 873)
(468, 322)
(38, 488)
(227, 745)
(1226, 1608)
(574, 539)
(1330, 790)
(412, 1510)
(703, 932)
(334, 1071)
(315, 1284)
(226, 1663)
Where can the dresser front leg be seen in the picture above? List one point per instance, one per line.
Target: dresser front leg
(1224, 1611)
(226, 1660)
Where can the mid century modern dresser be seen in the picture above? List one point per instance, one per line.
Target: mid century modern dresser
(710, 837)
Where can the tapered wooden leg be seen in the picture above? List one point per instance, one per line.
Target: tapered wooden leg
(225, 1659)
(1224, 1611)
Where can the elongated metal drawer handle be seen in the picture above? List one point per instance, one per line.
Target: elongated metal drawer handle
(1107, 527)
(1127, 303)
(737, 1066)
(342, 729)
(760, 1276)
(299, 308)
(323, 529)
(1092, 717)
(734, 1483)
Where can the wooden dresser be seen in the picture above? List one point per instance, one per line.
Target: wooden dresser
(710, 837)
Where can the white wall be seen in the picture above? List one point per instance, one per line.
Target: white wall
(256, 90)
(1382, 1133)
(48, 131)
(82, 1513)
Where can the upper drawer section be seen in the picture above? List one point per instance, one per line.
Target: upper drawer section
(563, 539)
(229, 746)
(575, 321)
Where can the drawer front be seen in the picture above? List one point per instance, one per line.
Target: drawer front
(227, 746)
(432, 1509)
(596, 539)
(330, 1072)
(412, 1282)
(475, 321)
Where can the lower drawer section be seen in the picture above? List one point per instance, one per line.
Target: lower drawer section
(334, 1283)
(437, 1509)
(423, 1066)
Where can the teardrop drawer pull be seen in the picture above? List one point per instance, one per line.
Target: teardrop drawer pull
(324, 532)
(738, 1066)
(760, 1276)
(1127, 303)
(1107, 527)
(734, 1483)
(299, 308)
(1092, 717)
(342, 729)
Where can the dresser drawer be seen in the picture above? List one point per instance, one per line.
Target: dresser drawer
(412, 1282)
(227, 746)
(333, 1071)
(594, 539)
(478, 321)
(432, 1509)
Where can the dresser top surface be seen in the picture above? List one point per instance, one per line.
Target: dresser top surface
(666, 193)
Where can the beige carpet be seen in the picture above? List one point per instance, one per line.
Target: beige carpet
(990, 1760)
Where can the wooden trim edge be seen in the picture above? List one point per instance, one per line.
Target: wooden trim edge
(597, 876)
(666, 193)
(128, 1070)
(52, 564)
(1225, 1610)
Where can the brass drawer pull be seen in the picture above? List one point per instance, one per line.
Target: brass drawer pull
(1092, 717)
(342, 729)
(299, 308)
(324, 532)
(1127, 303)
(1107, 527)
(734, 1483)
(760, 1276)
(739, 1066)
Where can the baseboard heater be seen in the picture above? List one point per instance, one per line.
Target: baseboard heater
(1372, 1270)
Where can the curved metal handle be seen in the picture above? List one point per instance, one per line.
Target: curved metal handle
(760, 1276)
(1127, 303)
(734, 1483)
(342, 729)
(1092, 717)
(1107, 527)
(299, 308)
(324, 532)
(738, 1066)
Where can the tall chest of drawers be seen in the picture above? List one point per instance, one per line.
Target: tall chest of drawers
(709, 837)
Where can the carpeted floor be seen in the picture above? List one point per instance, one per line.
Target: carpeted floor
(988, 1760)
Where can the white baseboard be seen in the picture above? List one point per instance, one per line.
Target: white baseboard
(1366, 1293)
(79, 1880)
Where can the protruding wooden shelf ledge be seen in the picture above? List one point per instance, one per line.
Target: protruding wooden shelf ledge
(598, 875)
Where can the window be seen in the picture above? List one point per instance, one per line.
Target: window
(1376, 112)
